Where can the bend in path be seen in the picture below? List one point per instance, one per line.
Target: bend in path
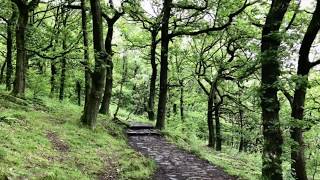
(172, 162)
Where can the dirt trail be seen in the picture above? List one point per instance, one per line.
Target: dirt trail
(173, 163)
(57, 143)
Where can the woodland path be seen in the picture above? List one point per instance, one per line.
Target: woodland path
(172, 162)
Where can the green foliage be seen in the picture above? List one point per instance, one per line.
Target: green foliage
(38, 84)
(26, 151)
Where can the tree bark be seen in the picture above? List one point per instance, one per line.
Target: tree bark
(91, 108)
(78, 91)
(21, 61)
(218, 126)
(242, 143)
(105, 105)
(9, 70)
(272, 147)
(53, 78)
(85, 50)
(160, 124)
(298, 164)
(62, 78)
(63, 60)
(211, 129)
(2, 71)
(181, 100)
(153, 78)
(20, 75)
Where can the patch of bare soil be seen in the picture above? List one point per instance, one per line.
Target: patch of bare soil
(58, 144)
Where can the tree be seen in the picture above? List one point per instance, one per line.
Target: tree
(152, 25)
(270, 71)
(85, 50)
(164, 64)
(9, 46)
(181, 29)
(24, 8)
(63, 61)
(298, 164)
(91, 108)
(105, 104)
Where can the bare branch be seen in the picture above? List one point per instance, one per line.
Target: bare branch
(294, 15)
(315, 63)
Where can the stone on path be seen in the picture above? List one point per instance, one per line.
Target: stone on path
(173, 163)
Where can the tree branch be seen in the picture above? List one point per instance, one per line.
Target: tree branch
(315, 63)
(202, 87)
(288, 96)
(3, 36)
(4, 19)
(189, 6)
(33, 4)
(211, 29)
(294, 16)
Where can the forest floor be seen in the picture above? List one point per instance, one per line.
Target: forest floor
(172, 162)
(42, 139)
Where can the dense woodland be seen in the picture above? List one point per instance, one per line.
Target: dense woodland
(240, 76)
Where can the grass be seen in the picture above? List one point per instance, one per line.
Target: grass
(242, 165)
(245, 165)
(26, 151)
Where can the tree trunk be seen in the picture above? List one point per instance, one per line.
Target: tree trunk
(9, 71)
(212, 138)
(181, 100)
(85, 50)
(53, 78)
(153, 78)
(242, 143)
(105, 105)
(21, 60)
(218, 126)
(78, 91)
(272, 147)
(298, 164)
(91, 108)
(2, 71)
(160, 124)
(175, 112)
(123, 80)
(10, 27)
(62, 78)
(63, 60)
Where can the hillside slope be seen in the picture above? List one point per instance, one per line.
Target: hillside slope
(42, 139)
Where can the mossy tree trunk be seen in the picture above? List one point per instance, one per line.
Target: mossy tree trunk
(153, 78)
(21, 61)
(298, 164)
(272, 147)
(91, 108)
(161, 115)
